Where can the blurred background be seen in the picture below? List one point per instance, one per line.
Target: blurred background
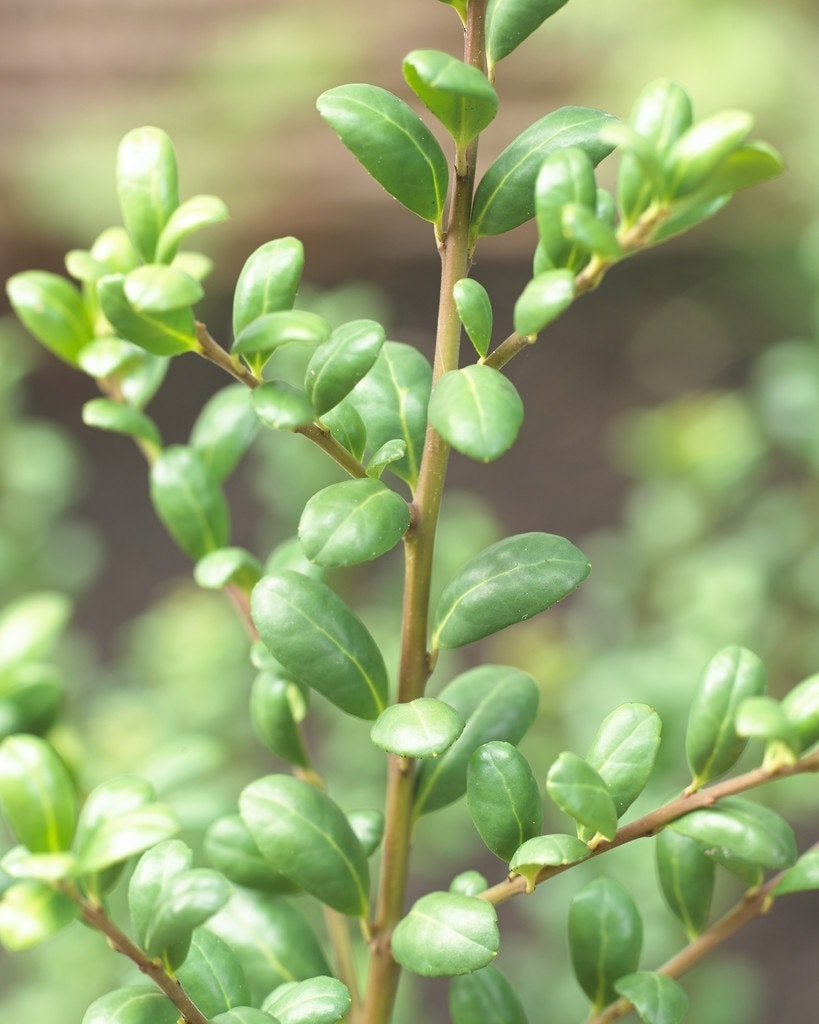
(672, 416)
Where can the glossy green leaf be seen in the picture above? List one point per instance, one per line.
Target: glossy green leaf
(469, 883)
(801, 706)
(686, 873)
(162, 334)
(624, 750)
(37, 795)
(475, 312)
(566, 177)
(53, 310)
(712, 744)
(392, 400)
(232, 850)
(445, 934)
(339, 363)
(605, 938)
(477, 410)
(503, 797)
(803, 876)
(147, 186)
(114, 248)
(368, 826)
(749, 164)
(544, 852)
(274, 941)
(543, 299)
(189, 501)
(497, 703)
(104, 357)
(31, 912)
(154, 288)
(509, 22)
(424, 727)
(141, 376)
(282, 327)
(305, 835)
(137, 1004)
(764, 718)
(347, 427)
(106, 414)
(392, 144)
(505, 197)
(459, 95)
(582, 228)
(321, 642)
(268, 282)
(30, 626)
(228, 566)
(579, 790)
(321, 1000)
(289, 555)
(243, 1015)
(743, 829)
(281, 406)
(387, 454)
(212, 975)
(277, 705)
(700, 150)
(190, 216)
(508, 582)
(657, 998)
(351, 522)
(484, 997)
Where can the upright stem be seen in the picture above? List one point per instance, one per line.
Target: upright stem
(419, 546)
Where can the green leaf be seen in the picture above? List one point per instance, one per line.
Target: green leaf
(189, 501)
(347, 427)
(162, 334)
(657, 998)
(277, 705)
(484, 997)
(469, 883)
(113, 248)
(50, 868)
(392, 144)
(742, 829)
(503, 797)
(605, 938)
(579, 790)
(243, 1015)
(700, 150)
(147, 186)
(764, 718)
(446, 934)
(305, 835)
(228, 566)
(392, 400)
(368, 827)
(106, 414)
(387, 454)
(281, 406)
(477, 410)
(566, 178)
(749, 164)
(509, 22)
(351, 522)
(803, 876)
(543, 299)
(212, 975)
(508, 582)
(339, 363)
(53, 310)
(497, 703)
(624, 750)
(268, 282)
(31, 912)
(319, 1000)
(154, 288)
(137, 1004)
(712, 744)
(30, 699)
(801, 706)
(192, 215)
(232, 850)
(37, 794)
(274, 941)
(582, 227)
(459, 95)
(321, 642)
(505, 197)
(271, 331)
(475, 312)
(686, 873)
(30, 627)
(546, 851)
(424, 727)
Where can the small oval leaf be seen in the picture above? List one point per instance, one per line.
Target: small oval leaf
(459, 95)
(319, 1000)
(477, 410)
(37, 795)
(53, 310)
(484, 996)
(422, 728)
(232, 850)
(546, 851)
(657, 998)
(686, 873)
(147, 186)
(154, 288)
(509, 22)
(578, 790)
(282, 406)
(195, 213)
(31, 912)
(189, 502)
(543, 299)
(161, 334)
(503, 797)
(339, 363)
(137, 1004)
(474, 312)
(446, 934)
(106, 414)
(212, 975)
(268, 282)
(743, 830)
(624, 750)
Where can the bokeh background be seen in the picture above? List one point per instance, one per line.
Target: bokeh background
(672, 420)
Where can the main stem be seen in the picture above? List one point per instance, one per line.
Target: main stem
(419, 546)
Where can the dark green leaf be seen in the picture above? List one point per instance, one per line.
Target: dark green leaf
(37, 794)
(624, 750)
(281, 406)
(578, 790)
(232, 850)
(137, 1004)
(228, 566)
(162, 334)
(147, 186)
(508, 582)
(212, 975)
(742, 829)
(31, 912)
(686, 874)
(277, 705)
(192, 215)
(801, 707)
(351, 522)
(803, 876)
(605, 938)
(318, 639)
(474, 312)
(154, 288)
(347, 427)
(319, 1000)
(543, 299)
(446, 934)
(268, 282)
(305, 835)
(497, 703)
(368, 827)
(582, 227)
(503, 797)
(392, 144)
(509, 22)
(224, 430)
(546, 851)
(657, 998)
(106, 414)
(505, 197)
(484, 997)
(459, 95)
(52, 309)
(189, 501)
(421, 728)
(339, 363)
(477, 410)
